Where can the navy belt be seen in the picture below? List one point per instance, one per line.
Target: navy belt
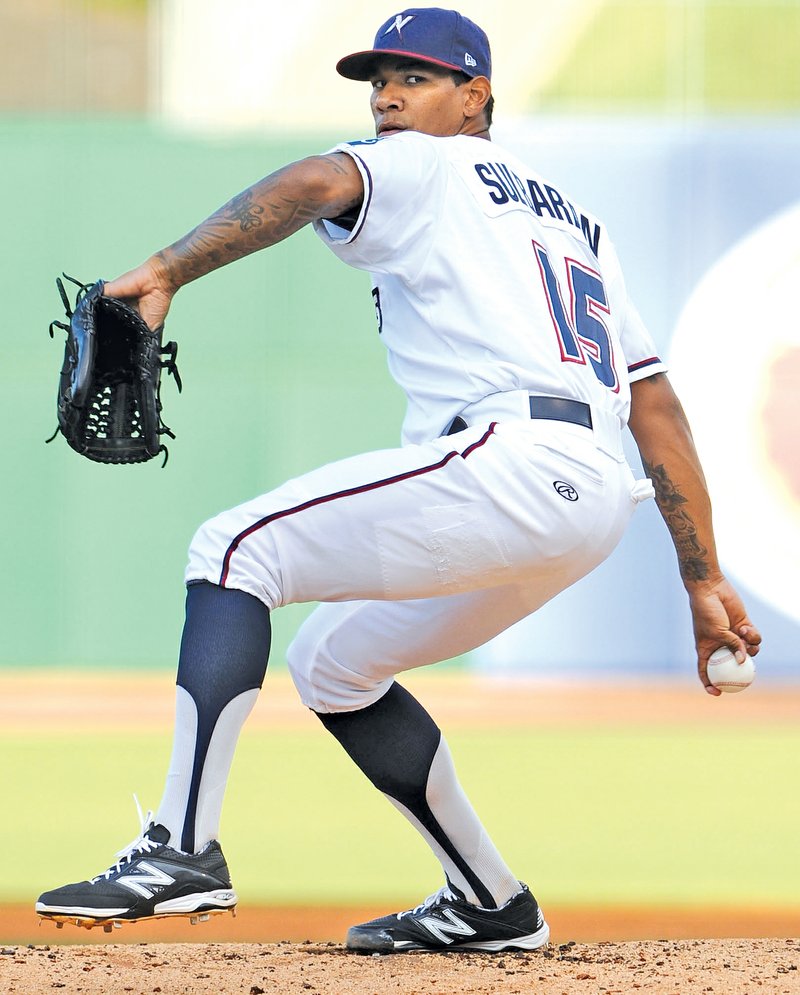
(550, 408)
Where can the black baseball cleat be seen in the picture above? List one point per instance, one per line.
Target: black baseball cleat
(446, 922)
(149, 881)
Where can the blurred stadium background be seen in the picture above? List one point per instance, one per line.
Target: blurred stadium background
(124, 122)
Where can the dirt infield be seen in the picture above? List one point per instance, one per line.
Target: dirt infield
(728, 967)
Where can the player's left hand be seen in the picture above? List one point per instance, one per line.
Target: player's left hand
(720, 619)
(146, 289)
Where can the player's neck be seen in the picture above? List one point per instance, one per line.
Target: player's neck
(478, 133)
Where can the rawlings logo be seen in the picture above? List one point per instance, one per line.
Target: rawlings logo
(565, 490)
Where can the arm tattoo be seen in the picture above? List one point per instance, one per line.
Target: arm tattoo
(260, 216)
(243, 210)
(691, 553)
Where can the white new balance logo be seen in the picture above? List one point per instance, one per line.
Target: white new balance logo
(152, 876)
(440, 928)
(399, 23)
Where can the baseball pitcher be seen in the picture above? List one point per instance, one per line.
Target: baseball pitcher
(506, 320)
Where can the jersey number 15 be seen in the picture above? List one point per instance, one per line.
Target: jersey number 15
(581, 330)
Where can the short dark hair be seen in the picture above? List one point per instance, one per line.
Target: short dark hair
(459, 79)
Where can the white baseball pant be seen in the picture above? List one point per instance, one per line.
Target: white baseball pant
(423, 552)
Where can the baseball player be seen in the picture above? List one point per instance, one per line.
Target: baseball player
(506, 320)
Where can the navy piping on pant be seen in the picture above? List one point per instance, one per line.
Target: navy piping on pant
(350, 492)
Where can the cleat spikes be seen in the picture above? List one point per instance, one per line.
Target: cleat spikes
(108, 925)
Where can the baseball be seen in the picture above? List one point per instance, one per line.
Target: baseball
(728, 675)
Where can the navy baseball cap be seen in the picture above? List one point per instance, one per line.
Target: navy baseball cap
(429, 34)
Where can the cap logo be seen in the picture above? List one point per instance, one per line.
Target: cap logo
(468, 60)
(399, 23)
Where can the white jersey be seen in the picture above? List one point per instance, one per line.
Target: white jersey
(486, 278)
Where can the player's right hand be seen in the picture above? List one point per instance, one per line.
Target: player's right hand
(146, 289)
(720, 619)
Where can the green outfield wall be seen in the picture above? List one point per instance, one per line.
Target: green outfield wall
(280, 357)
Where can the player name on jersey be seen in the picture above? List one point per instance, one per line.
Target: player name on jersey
(505, 187)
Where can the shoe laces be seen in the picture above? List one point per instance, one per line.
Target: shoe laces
(139, 844)
(429, 902)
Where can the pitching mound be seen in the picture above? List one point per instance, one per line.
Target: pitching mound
(726, 967)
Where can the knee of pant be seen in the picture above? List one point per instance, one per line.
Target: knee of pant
(324, 683)
(208, 548)
(247, 566)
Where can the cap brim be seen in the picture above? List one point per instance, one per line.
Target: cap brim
(360, 65)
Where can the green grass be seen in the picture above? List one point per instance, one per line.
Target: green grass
(716, 56)
(635, 816)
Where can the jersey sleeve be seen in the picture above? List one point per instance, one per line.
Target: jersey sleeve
(402, 175)
(638, 347)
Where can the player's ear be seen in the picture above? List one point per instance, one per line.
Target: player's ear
(476, 95)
